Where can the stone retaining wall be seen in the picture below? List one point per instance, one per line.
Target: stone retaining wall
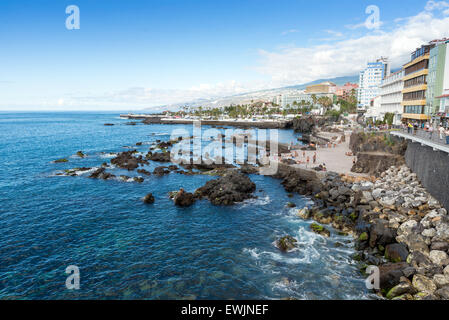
(432, 169)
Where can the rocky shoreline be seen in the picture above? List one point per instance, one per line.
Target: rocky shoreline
(397, 225)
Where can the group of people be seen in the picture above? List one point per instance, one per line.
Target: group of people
(427, 127)
(305, 159)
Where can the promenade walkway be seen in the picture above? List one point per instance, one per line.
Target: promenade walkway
(424, 137)
(335, 158)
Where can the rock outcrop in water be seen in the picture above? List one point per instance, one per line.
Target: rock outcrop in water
(149, 198)
(183, 198)
(286, 243)
(127, 160)
(158, 156)
(101, 173)
(232, 187)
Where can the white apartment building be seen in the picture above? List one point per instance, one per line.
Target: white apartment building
(373, 110)
(391, 96)
(287, 99)
(370, 79)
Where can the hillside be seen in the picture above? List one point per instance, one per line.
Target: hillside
(247, 97)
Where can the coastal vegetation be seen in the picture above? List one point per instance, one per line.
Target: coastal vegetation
(270, 110)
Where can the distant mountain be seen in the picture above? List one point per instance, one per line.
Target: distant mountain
(249, 96)
(339, 81)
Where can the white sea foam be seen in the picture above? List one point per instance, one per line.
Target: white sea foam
(108, 155)
(81, 172)
(261, 201)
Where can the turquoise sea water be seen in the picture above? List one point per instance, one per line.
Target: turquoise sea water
(128, 250)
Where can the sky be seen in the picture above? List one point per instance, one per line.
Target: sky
(136, 54)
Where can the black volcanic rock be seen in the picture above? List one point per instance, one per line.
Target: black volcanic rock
(231, 188)
(158, 156)
(127, 160)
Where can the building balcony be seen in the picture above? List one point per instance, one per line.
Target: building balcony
(415, 61)
(419, 87)
(414, 102)
(416, 74)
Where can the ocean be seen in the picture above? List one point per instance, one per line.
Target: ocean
(126, 249)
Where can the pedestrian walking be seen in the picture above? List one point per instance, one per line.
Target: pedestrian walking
(430, 130)
(409, 128)
(308, 161)
(447, 136)
(314, 158)
(441, 132)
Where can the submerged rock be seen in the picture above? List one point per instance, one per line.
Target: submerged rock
(80, 154)
(286, 243)
(149, 198)
(145, 172)
(101, 174)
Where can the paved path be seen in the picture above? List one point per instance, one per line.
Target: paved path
(335, 158)
(424, 138)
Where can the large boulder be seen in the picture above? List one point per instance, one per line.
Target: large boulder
(439, 258)
(424, 284)
(380, 233)
(396, 252)
(232, 187)
(404, 287)
(390, 274)
(184, 199)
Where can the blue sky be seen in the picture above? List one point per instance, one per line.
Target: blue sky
(135, 54)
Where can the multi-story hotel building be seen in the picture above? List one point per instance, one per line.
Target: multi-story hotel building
(370, 79)
(288, 99)
(345, 91)
(391, 96)
(437, 80)
(415, 85)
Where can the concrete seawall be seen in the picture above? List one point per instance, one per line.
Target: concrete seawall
(432, 169)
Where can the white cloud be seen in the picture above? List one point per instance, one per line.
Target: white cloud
(347, 57)
(436, 5)
(334, 33)
(148, 97)
(355, 26)
(289, 31)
